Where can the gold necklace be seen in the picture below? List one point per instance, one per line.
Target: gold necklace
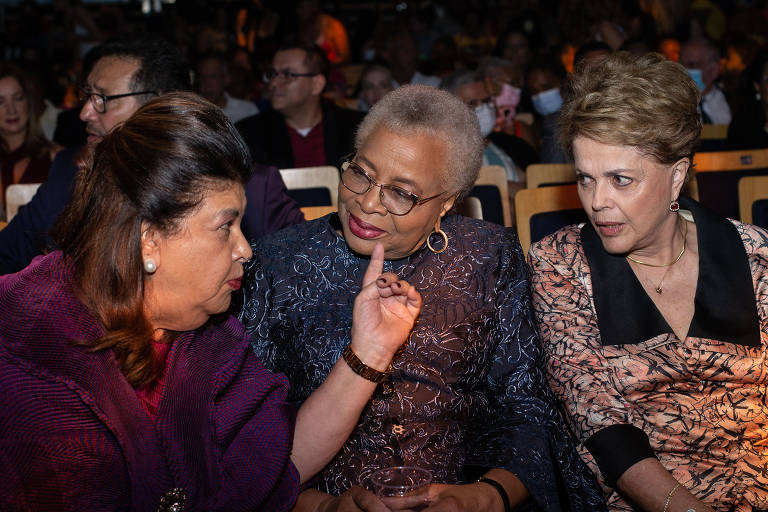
(658, 287)
(630, 258)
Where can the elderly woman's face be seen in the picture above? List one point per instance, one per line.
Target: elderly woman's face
(626, 195)
(199, 266)
(416, 163)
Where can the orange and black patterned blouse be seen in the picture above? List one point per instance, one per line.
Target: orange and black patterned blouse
(631, 389)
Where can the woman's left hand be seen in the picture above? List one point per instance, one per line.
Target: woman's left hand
(478, 496)
(384, 313)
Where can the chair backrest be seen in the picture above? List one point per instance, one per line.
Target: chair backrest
(753, 189)
(714, 137)
(470, 207)
(714, 131)
(495, 206)
(537, 175)
(2, 224)
(307, 181)
(315, 212)
(530, 202)
(18, 195)
(718, 174)
(731, 160)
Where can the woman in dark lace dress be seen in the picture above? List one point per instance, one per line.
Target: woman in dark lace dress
(467, 396)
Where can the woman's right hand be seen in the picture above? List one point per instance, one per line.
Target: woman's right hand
(355, 499)
(384, 313)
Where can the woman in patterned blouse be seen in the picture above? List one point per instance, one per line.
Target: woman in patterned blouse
(468, 389)
(653, 314)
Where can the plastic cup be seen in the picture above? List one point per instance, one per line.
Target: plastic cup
(402, 487)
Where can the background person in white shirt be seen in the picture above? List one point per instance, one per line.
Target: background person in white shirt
(702, 59)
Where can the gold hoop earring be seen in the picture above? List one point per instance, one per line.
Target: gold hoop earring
(445, 241)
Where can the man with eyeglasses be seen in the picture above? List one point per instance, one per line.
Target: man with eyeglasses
(125, 74)
(302, 130)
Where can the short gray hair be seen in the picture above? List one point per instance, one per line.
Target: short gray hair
(423, 109)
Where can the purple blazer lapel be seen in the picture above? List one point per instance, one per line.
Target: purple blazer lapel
(200, 364)
(185, 420)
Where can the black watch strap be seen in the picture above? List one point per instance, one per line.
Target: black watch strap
(500, 489)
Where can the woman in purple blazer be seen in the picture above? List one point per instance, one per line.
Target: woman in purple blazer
(124, 386)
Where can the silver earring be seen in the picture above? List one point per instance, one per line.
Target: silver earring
(149, 266)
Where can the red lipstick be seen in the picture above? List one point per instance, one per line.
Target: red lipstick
(364, 230)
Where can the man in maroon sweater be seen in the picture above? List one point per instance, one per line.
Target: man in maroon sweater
(302, 130)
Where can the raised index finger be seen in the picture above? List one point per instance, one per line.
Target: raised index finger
(376, 265)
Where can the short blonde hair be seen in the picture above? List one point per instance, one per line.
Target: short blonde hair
(647, 102)
(423, 109)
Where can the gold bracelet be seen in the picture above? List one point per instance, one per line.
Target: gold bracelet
(363, 369)
(669, 496)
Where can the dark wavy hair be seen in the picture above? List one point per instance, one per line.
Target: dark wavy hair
(156, 169)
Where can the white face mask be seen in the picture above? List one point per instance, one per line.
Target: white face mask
(486, 116)
(547, 102)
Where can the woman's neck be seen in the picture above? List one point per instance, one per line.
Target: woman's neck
(14, 141)
(668, 245)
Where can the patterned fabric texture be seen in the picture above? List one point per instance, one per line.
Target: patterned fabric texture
(701, 400)
(469, 389)
(73, 436)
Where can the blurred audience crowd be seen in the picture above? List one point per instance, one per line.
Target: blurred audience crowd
(279, 68)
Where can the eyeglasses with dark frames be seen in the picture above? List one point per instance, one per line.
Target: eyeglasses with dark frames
(285, 74)
(396, 200)
(99, 100)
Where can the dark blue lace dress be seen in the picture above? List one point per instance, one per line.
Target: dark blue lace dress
(469, 390)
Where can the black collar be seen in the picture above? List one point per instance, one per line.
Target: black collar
(725, 305)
